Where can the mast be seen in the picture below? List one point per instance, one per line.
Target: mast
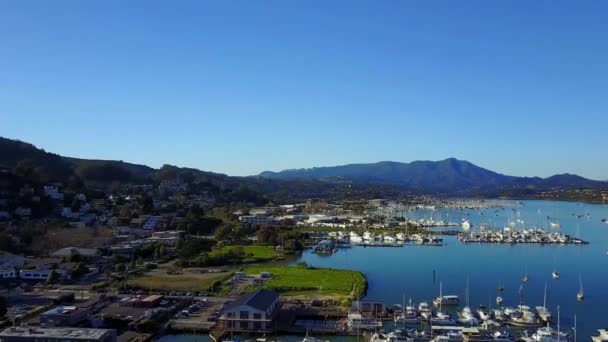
(545, 297)
(558, 326)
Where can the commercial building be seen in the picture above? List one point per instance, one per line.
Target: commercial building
(18, 334)
(253, 312)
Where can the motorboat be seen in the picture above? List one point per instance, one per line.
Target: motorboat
(483, 313)
(601, 337)
(548, 334)
(408, 316)
(467, 317)
(441, 318)
(357, 321)
(524, 318)
(390, 337)
(447, 300)
(425, 310)
(555, 275)
(498, 315)
(499, 300)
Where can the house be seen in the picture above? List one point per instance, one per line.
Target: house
(32, 334)
(253, 312)
(256, 220)
(53, 192)
(23, 212)
(67, 252)
(8, 260)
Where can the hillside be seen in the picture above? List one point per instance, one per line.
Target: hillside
(445, 176)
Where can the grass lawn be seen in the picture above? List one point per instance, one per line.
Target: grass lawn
(252, 253)
(309, 282)
(178, 282)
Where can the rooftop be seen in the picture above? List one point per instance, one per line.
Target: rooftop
(70, 333)
(261, 299)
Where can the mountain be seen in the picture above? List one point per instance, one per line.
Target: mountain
(450, 176)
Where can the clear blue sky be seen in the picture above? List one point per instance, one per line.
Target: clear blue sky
(238, 87)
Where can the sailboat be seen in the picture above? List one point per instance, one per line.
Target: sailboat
(466, 315)
(542, 311)
(581, 294)
(501, 287)
(555, 275)
(525, 278)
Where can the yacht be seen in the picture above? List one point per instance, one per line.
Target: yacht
(498, 315)
(357, 321)
(355, 238)
(442, 318)
(467, 317)
(400, 236)
(408, 316)
(390, 337)
(555, 225)
(445, 300)
(425, 310)
(389, 238)
(466, 225)
(548, 334)
(601, 337)
(483, 313)
(524, 318)
(450, 336)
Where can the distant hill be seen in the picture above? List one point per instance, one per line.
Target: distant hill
(24, 162)
(446, 176)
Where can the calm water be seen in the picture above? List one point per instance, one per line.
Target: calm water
(396, 272)
(408, 271)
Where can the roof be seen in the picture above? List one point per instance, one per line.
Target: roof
(66, 333)
(68, 251)
(261, 299)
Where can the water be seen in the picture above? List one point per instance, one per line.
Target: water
(396, 272)
(408, 271)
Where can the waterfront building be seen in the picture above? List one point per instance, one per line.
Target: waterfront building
(30, 334)
(253, 312)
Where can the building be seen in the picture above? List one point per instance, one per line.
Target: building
(18, 334)
(8, 274)
(253, 312)
(86, 253)
(256, 220)
(53, 192)
(64, 316)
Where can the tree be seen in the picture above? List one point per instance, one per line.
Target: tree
(3, 307)
(161, 251)
(120, 268)
(79, 270)
(268, 235)
(53, 277)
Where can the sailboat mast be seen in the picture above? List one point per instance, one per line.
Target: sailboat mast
(545, 297)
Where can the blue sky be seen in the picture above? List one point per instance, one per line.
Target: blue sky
(238, 87)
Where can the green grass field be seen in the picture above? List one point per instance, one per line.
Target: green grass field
(308, 282)
(175, 282)
(252, 253)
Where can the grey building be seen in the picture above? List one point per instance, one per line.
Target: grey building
(30, 334)
(253, 312)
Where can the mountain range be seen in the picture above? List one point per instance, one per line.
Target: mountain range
(445, 176)
(451, 177)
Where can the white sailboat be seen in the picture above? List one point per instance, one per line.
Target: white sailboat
(525, 278)
(581, 294)
(466, 315)
(542, 311)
